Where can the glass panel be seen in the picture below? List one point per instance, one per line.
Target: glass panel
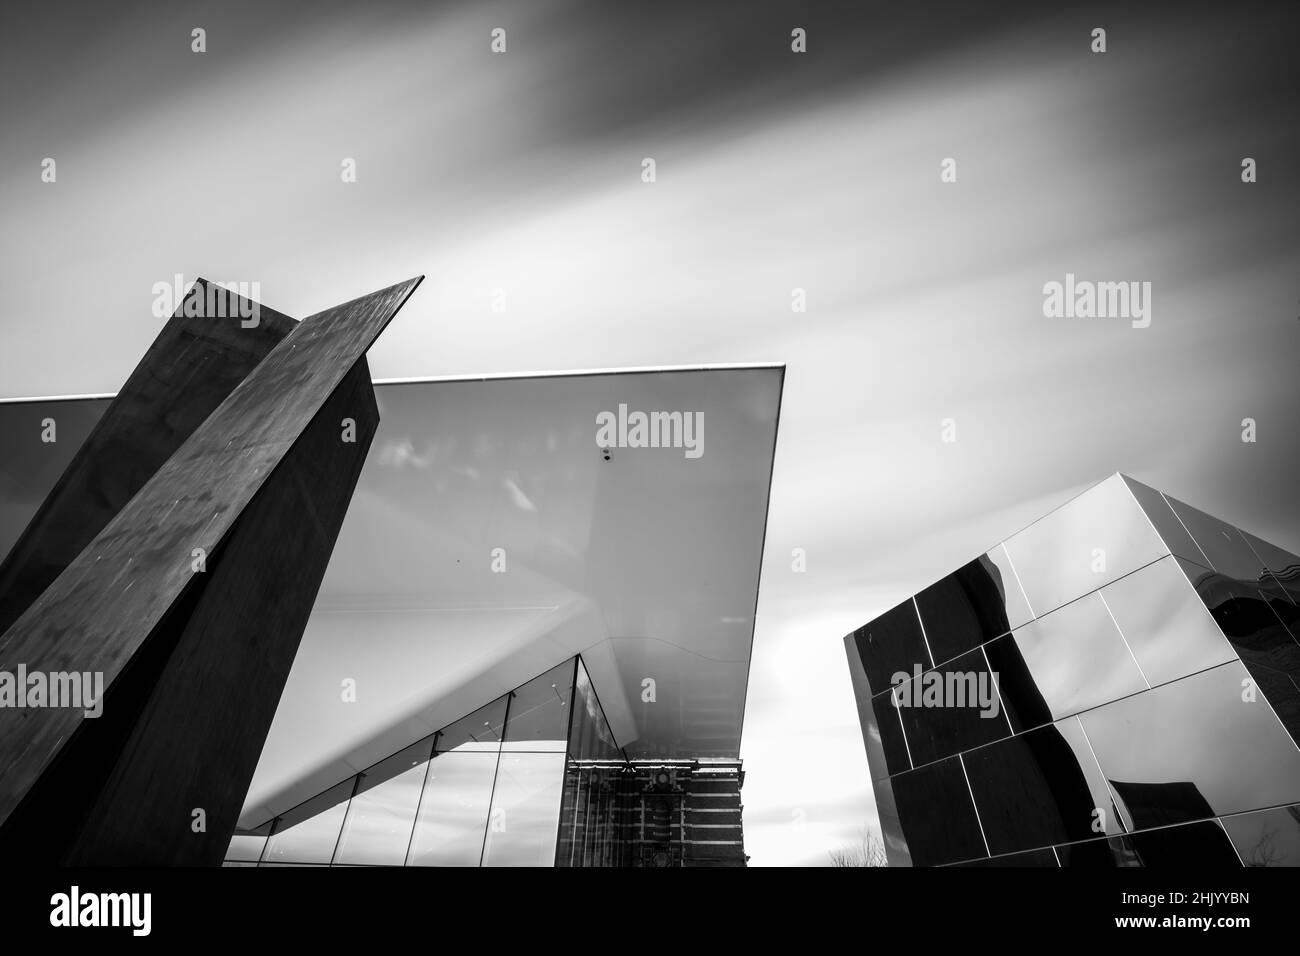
(891, 827)
(1066, 662)
(1167, 523)
(452, 820)
(247, 845)
(1266, 838)
(525, 817)
(377, 830)
(310, 831)
(936, 814)
(1040, 788)
(970, 606)
(892, 643)
(479, 731)
(538, 718)
(590, 737)
(1090, 541)
(950, 709)
(1194, 748)
(869, 718)
(1166, 625)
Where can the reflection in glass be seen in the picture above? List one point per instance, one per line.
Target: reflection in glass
(525, 815)
(1032, 858)
(589, 808)
(453, 814)
(1246, 618)
(538, 718)
(247, 845)
(1039, 788)
(1057, 556)
(936, 814)
(1268, 837)
(377, 830)
(1194, 747)
(886, 724)
(1166, 625)
(590, 737)
(1066, 662)
(974, 604)
(310, 831)
(479, 731)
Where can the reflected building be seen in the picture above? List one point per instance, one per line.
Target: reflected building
(1143, 696)
(526, 647)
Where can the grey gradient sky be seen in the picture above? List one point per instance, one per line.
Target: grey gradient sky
(521, 172)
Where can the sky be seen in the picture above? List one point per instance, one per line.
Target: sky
(516, 177)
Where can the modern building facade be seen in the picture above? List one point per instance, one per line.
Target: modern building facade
(1118, 684)
(498, 561)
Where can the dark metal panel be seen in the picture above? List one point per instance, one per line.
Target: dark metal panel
(97, 614)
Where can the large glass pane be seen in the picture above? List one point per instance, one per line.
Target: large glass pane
(1246, 618)
(886, 730)
(377, 830)
(1040, 788)
(1200, 746)
(936, 814)
(539, 712)
(247, 845)
(524, 822)
(452, 819)
(310, 831)
(950, 709)
(890, 644)
(974, 604)
(1166, 625)
(1066, 662)
(1267, 838)
(1090, 541)
(590, 737)
(480, 731)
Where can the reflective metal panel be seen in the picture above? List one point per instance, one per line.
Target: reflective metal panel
(936, 814)
(1194, 748)
(1283, 565)
(950, 709)
(1040, 788)
(974, 604)
(1063, 663)
(1105, 853)
(1222, 544)
(1167, 524)
(1033, 858)
(1268, 837)
(1166, 625)
(892, 643)
(888, 728)
(523, 825)
(1090, 541)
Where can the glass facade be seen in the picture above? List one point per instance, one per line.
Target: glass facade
(486, 790)
(1116, 685)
